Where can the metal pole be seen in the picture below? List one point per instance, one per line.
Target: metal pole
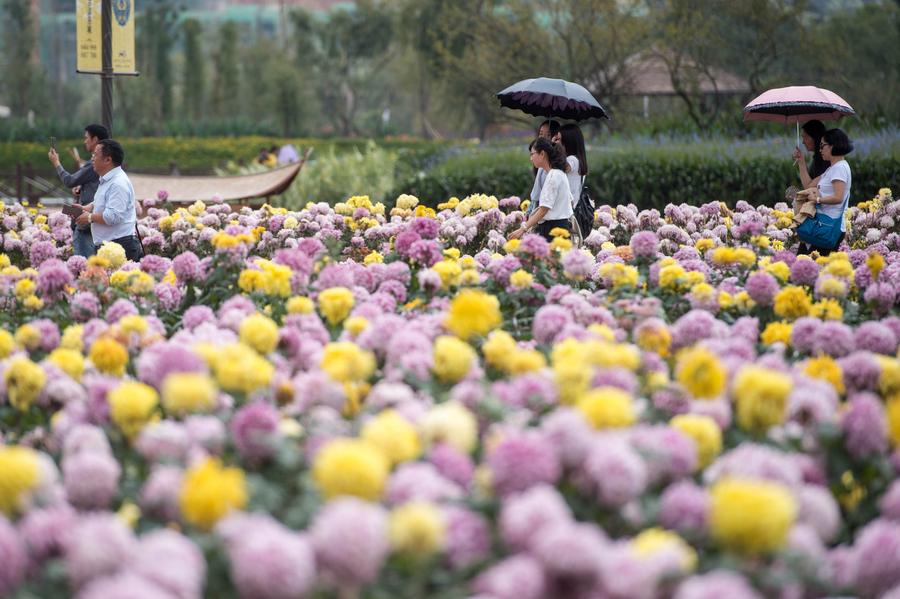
(106, 75)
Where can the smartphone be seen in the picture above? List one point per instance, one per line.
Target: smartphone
(53, 142)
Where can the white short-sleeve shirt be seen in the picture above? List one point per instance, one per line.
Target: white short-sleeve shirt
(840, 171)
(556, 195)
(574, 178)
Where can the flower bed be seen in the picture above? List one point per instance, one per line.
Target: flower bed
(341, 401)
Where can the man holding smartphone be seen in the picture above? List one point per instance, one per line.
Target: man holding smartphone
(87, 180)
(112, 215)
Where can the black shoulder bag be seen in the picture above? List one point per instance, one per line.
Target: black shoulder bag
(584, 211)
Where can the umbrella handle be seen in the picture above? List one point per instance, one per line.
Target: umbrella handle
(798, 135)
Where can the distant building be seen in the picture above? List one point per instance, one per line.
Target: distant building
(650, 74)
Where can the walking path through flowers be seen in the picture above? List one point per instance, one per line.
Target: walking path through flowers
(351, 401)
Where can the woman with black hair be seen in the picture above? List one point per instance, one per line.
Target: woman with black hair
(811, 136)
(572, 142)
(555, 203)
(548, 129)
(832, 191)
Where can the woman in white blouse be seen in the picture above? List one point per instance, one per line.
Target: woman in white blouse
(555, 205)
(572, 140)
(832, 191)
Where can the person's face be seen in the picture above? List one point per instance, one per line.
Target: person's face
(537, 158)
(825, 149)
(101, 163)
(808, 142)
(90, 142)
(544, 131)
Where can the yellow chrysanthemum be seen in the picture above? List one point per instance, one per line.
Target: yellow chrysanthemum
(777, 332)
(826, 368)
(238, 368)
(350, 467)
(25, 288)
(69, 361)
(344, 361)
(572, 380)
(497, 349)
(705, 433)
(892, 414)
(7, 343)
(24, 380)
(449, 271)
(71, 337)
(607, 407)
(654, 540)
(113, 253)
(453, 358)
(656, 339)
(792, 302)
(188, 393)
(827, 309)
(19, 475)
(761, 396)
(749, 516)
(335, 304)
(779, 270)
(620, 275)
(132, 406)
(210, 491)
(300, 305)
(450, 422)
(889, 379)
(700, 372)
(525, 360)
(875, 262)
(394, 435)
(259, 332)
(109, 356)
(610, 355)
(473, 313)
(417, 530)
(521, 279)
(28, 337)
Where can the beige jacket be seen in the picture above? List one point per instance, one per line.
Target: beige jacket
(804, 206)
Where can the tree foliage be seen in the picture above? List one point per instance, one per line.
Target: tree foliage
(432, 67)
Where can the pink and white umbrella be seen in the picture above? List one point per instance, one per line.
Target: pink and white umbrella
(796, 104)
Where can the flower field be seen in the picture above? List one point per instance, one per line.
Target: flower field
(356, 401)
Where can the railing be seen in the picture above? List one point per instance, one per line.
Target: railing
(27, 184)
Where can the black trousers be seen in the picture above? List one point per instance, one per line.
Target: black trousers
(132, 247)
(543, 229)
(808, 249)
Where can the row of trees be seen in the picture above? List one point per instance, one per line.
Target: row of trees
(432, 67)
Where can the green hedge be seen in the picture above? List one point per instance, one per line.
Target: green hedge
(648, 176)
(202, 155)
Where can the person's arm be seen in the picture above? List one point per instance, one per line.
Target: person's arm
(83, 175)
(837, 197)
(537, 216)
(800, 161)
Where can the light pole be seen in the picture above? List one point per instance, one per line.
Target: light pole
(106, 71)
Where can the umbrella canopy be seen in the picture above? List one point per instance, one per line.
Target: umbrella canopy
(552, 98)
(797, 104)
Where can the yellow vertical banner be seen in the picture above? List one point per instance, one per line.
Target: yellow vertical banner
(123, 37)
(88, 36)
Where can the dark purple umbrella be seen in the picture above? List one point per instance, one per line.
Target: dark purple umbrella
(552, 98)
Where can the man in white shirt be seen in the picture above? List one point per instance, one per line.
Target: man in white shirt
(112, 214)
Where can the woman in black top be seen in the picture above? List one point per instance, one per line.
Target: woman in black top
(811, 135)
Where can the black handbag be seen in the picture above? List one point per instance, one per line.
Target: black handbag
(584, 211)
